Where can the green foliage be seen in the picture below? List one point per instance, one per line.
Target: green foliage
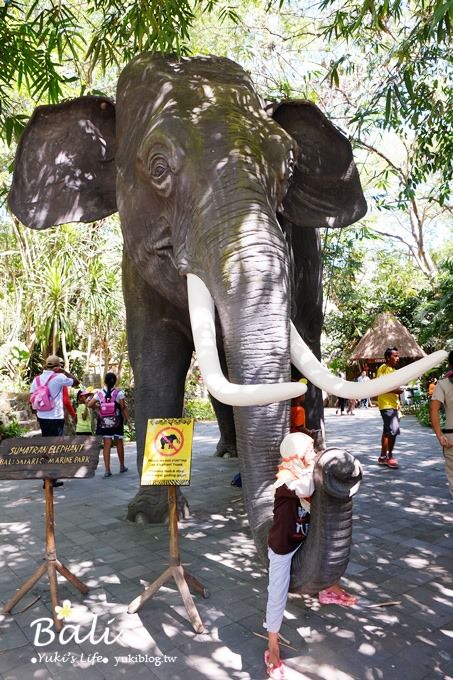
(435, 313)
(266, 40)
(421, 412)
(194, 389)
(361, 282)
(61, 292)
(14, 358)
(50, 48)
(130, 434)
(344, 288)
(11, 429)
(343, 259)
(407, 65)
(199, 409)
(399, 52)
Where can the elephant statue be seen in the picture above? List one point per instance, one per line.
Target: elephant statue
(219, 201)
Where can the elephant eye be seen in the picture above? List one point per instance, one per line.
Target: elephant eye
(159, 167)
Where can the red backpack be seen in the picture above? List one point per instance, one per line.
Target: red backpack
(41, 399)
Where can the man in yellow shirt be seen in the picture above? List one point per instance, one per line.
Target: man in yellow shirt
(388, 405)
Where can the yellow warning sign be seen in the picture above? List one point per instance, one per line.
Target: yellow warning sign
(168, 452)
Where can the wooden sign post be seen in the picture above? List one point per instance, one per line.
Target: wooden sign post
(49, 458)
(167, 460)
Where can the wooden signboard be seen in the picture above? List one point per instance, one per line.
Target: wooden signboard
(166, 462)
(168, 452)
(49, 457)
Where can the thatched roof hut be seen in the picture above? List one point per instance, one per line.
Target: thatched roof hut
(386, 331)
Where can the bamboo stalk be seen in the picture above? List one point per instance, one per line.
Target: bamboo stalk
(284, 644)
(21, 611)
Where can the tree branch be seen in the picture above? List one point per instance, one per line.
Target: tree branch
(422, 265)
(372, 148)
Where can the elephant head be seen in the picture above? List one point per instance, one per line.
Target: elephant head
(205, 179)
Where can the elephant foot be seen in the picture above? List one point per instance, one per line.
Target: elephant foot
(225, 449)
(150, 506)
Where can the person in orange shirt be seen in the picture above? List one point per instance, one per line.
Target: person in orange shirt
(298, 419)
(432, 387)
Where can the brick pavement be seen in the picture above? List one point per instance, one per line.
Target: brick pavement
(403, 551)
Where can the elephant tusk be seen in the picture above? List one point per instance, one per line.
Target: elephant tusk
(303, 358)
(202, 319)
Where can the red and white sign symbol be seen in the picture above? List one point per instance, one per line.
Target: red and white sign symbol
(169, 441)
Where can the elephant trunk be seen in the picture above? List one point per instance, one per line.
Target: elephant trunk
(251, 292)
(324, 556)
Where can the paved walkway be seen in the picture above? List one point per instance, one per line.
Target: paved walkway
(403, 552)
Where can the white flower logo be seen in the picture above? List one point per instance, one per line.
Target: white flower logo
(65, 611)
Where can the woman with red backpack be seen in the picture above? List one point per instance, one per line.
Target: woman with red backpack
(111, 412)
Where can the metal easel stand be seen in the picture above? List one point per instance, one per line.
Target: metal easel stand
(182, 577)
(51, 564)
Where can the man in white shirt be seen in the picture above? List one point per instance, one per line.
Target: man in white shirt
(363, 377)
(52, 422)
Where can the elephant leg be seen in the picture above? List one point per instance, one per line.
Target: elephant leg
(160, 350)
(225, 419)
(308, 314)
(224, 413)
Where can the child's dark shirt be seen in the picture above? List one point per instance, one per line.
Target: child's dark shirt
(291, 522)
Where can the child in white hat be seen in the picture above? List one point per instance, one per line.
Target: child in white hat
(293, 489)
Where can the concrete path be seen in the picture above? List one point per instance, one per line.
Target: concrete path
(403, 552)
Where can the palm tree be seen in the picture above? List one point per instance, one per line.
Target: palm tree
(56, 283)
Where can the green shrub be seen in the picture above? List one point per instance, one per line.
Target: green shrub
(200, 409)
(129, 433)
(421, 412)
(11, 429)
(129, 395)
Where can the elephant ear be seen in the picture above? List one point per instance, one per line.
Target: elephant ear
(325, 190)
(65, 164)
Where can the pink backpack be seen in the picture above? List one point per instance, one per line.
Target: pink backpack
(41, 399)
(108, 410)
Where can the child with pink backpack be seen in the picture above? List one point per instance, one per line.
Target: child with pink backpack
(111, 413)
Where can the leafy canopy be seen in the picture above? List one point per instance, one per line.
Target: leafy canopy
(50, 46)
(408, 62)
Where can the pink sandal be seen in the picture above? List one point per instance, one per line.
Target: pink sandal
(274, 672)
(392, 463)
(330, 597)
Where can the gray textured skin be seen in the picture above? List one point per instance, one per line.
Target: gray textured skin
(201, 173)
(324, 556)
